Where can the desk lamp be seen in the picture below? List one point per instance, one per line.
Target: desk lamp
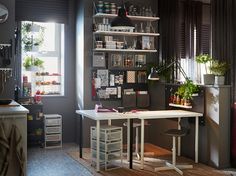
(155, 73)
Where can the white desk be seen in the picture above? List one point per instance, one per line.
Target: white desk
(164, 114)
(142, 115)
(92, 114)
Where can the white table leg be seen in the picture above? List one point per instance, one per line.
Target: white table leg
(128, 136)
(196, 138)
(179, 138)
(98, 146)
(142, 143)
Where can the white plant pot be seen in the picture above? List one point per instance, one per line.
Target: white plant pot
(219, 80)
(208, 79)
(33, 69)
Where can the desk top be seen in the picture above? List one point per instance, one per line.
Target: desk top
(162, 114)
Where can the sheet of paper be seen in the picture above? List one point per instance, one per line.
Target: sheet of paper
(103, 75)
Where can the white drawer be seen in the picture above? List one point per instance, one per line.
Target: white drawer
(53, 137)
(50, 130)
(110, 157)
(52, 122)
(111, 147)
(113, 134)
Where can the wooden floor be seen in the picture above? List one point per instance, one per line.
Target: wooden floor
(154, 157)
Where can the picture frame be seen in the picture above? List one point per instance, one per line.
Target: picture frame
(140, 60)
(99, 60)
(116, 60)
(128, 60)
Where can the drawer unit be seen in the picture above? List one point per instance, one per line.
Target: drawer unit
(53, 130)
(110, 146)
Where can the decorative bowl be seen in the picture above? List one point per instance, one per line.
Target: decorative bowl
(5, 101)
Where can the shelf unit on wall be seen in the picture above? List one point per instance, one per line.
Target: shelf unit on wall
(120, 56)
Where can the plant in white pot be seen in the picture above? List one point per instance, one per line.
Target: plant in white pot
(219, 68)
(206, 59)
(32, 64)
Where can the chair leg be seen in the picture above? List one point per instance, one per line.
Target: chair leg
(170, 166)
(174, 151)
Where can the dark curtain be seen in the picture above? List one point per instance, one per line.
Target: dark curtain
(192, 21)
(169, 29)
(223, 36)
(223, 43)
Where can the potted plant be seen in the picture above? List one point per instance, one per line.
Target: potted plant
(206, 59)
(32, 64)
(219, 68)
(186, 92)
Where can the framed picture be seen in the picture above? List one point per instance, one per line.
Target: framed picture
(116, 60)
(99, 59)
(140, 60)
(129, 60)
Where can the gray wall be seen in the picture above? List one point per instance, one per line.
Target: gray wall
(7, 33)
(84, 43)
(65, 105)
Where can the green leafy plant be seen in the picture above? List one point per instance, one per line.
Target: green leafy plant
(204, 59)
(30, 61)
(29, 38)
(187, 89)
(219, 68)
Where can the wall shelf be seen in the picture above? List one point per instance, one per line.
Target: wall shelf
(141, 18)
(180, 106)
(124, 50)
(125, 33)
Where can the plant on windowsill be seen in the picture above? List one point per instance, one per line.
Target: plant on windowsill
(219, 68)
(32, 64)
(206, 59)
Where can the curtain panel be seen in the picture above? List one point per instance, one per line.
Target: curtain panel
(224, 37)
(169, 27)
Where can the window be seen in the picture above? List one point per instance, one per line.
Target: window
(195, 39)
(42, 52)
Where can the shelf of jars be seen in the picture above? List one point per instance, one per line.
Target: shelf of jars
(138, 18)
(125, 33)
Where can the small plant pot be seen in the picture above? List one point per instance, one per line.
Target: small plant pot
(187, 102)
(208, 79)
(33, 68)
(219, 80)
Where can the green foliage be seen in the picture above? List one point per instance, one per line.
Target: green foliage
(31, 61)
(30, 39)
(219, 68)
(187, 89)
(204, 59)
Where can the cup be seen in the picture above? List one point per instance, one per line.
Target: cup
(120, 109)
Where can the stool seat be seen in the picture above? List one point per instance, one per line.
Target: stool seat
(176, 132)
